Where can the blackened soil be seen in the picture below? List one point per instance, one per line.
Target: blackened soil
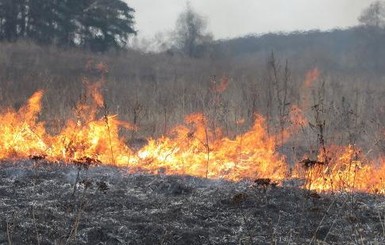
(47, 203)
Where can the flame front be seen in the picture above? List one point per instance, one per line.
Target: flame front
(192, 148)
(346, 169)
(20, 133)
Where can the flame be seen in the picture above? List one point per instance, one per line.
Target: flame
(191, 148)
(21, 135)
(311, 77)
(221, 86)
(308, 87)
(194, 150)
(345, 169)
(297, 117)
(90, 136)
(95, 93)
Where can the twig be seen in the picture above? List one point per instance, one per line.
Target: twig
(9, 233)
(324, 217)
(250, 236)
(76, 180)
(74, 230)
(35, 225)
(208, 152)
(382, 224)
(109, 132)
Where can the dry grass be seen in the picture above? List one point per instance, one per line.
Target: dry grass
(156, 91)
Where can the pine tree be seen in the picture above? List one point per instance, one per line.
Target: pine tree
(97, 25)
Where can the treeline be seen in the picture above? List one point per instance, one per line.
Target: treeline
(355, 49)
(96, 25)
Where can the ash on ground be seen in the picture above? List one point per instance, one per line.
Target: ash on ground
(50, 203)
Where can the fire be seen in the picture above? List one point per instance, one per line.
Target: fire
(220, 87)
(308, 88)
(21, 135)
(311, 77)
(343, 169)
(192, 148)
(90, 136)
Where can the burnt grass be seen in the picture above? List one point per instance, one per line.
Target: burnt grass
(46, 203)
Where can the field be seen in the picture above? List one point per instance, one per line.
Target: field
(45, 203)
(142, 148)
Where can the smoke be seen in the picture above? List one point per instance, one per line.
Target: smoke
(229, 18)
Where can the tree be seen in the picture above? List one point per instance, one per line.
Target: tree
(92, 24)
(40, 21)
(372, 35)
(374, 15)
(105, 23)
(190, 35)
(10, 14)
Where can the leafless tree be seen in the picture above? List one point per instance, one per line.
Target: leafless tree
(372, 32)
(374, 15)
(190, 35)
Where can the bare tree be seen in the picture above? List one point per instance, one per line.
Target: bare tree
(374, 15)
(191, 36)
(372, 34)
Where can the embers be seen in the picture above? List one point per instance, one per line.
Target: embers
(307, 163)
(37, 157)
(264, 183)
(86, 162)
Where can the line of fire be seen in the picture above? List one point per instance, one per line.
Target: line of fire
(194, 147)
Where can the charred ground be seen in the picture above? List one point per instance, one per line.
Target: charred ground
(45, 203)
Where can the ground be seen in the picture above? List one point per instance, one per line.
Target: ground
(51, 203)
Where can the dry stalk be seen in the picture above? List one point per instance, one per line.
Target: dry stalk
(35, 225)
(248, 231)
(281, 91)
(382, 222)
(207, 147)
(208, 152)
(76, 180)
(105, 111)
(320, 122)
(9, 233)
(274, 238)
(321, 222)
(75, 226)
(277, 101)
(74, 230)
(136, 110)
(165, 117)
(324, 217)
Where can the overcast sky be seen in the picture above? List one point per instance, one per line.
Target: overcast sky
(231, 18)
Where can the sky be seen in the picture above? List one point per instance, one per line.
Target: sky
(233, 18)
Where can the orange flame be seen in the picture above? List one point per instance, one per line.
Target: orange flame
(311, 77)
(21, 135)
(221, 86)
(297, 117)
(192, 148)
(194, 151)
(345, 170)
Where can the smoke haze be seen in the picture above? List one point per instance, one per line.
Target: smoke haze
(231, 18)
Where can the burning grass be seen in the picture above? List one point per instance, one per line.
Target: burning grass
(88, 184)
(192, 148)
